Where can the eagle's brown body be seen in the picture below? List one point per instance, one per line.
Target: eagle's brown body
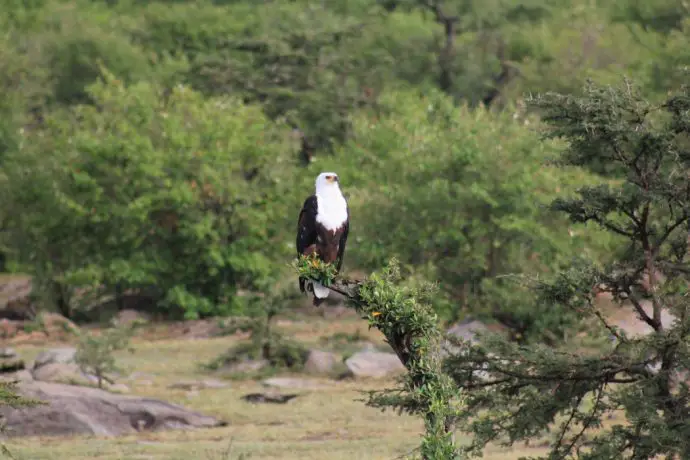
(322, 233)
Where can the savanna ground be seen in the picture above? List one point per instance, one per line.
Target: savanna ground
(322, 423)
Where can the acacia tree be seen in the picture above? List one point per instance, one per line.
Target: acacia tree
(524, 391)
(405, 317)
(502, 392)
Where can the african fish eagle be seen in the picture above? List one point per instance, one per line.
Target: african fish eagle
(322, 228)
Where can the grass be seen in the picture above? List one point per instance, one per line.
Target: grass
(329, 423)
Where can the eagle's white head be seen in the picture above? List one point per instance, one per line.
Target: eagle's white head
(327, 183)
(332, 207)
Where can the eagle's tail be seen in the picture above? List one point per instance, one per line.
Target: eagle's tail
(319, 290)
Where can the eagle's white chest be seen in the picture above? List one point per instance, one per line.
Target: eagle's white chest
(331, 210)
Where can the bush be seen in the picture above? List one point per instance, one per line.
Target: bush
(479, 215)
(168, 194)
(95, 353)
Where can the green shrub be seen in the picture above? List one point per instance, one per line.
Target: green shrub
(460, 196)
(95, 352)
(172, 195)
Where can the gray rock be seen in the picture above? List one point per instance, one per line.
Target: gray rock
(55, 355)
(73, 410)
(57, 365)
(23, 376)
(20, 376)
(8, 353)
(62, 373)
(467, 330)
(374, 364)
(321, 362)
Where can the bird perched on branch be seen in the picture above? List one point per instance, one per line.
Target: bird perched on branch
(322, 229)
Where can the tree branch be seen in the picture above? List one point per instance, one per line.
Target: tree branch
(680, 221)
(640, 311)
(445, 56)
(588, 422)
(566, 425)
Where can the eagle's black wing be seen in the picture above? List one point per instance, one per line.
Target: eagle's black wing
(306, 229)
(306, 225)
(343, 242)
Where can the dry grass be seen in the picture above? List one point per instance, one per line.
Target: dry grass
(329, 423)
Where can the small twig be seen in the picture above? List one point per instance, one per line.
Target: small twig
(611, 329)
(566, 425)
(590, 418)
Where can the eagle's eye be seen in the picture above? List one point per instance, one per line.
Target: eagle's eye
(330, 178)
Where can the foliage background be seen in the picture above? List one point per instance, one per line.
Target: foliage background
(163, 148)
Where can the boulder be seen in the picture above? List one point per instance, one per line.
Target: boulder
(467, 330)
(375, 364)
(321, 362)
(59, 372)
(10, 361)
(57, 326)
(57, 365)
(63, 355)
(74, 410)
(15, 300)
(19, 376)
(8, 353)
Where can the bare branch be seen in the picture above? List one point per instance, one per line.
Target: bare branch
(643, 314)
